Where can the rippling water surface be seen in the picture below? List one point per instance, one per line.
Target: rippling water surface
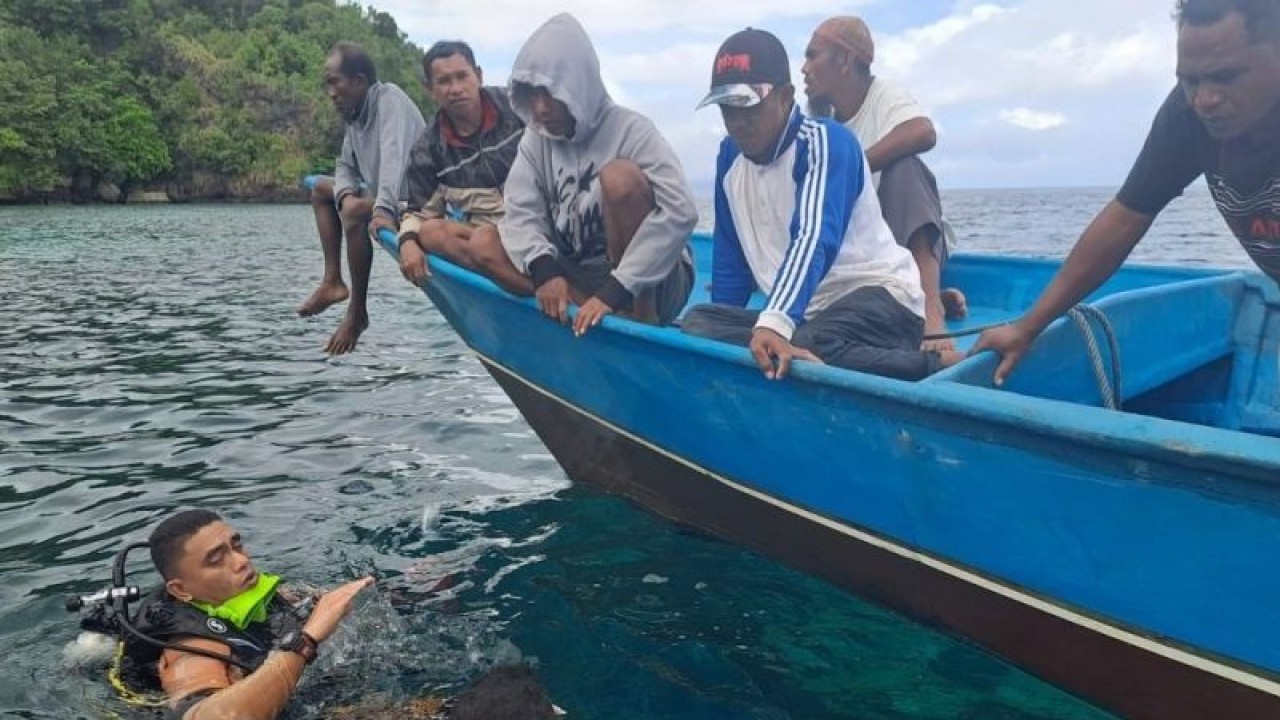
(150, 360)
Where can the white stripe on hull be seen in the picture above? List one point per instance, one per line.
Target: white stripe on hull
(1176, 654)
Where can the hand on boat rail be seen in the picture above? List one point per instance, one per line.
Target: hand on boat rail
(553, 298)
(774, 353)
(590, 315)
(1009, 341)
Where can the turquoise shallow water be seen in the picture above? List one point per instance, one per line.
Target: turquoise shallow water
(150, 359)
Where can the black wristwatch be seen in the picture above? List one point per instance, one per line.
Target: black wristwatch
(300, 642)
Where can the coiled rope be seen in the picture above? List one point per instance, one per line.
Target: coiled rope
(1085, 316)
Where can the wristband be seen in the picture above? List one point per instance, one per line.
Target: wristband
(301, 643)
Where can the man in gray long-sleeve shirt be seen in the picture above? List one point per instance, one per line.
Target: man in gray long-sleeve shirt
(598, 209)
(382, 125)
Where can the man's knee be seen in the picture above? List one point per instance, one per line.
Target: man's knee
(925, 238)
(623, 182)
(485, 249)
(432, 232)
(909, 167)
(356, 212)
(908, 183)
(322, 193)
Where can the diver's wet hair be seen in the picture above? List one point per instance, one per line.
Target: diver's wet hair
(167, 539)
(1261, 17)
(508, 692)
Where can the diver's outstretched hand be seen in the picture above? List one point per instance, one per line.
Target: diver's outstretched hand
(332, 607)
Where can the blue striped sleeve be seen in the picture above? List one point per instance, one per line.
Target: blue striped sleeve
(827, 182)
(731, 279)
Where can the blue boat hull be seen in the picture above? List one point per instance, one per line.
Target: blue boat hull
(1125, 557)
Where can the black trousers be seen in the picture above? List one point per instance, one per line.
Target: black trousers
(867, 330)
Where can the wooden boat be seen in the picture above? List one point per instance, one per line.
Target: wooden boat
(1129, 555)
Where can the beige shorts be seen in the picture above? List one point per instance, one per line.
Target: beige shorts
(472, 207)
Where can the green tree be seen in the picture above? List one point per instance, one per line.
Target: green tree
(27, 147)
(214, 97)
(109, 137)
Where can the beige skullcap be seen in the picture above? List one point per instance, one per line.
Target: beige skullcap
(850, 33)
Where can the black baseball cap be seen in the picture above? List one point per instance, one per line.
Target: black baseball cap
(748, 66)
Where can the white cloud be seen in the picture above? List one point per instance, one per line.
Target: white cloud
(672, 65)
(1038, 49)
(1029, 119)
(968, 65)
(1098, 61)
(900, 54)
(1013, 63)
(492, 22)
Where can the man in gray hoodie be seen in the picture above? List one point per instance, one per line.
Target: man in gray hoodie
(382, 124)
(598, 209)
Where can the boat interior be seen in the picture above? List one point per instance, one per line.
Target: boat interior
(1196, 345)
(1193, 345)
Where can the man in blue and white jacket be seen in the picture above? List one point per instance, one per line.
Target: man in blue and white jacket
(798, 218)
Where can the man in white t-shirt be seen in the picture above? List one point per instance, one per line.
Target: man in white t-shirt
(894, 131)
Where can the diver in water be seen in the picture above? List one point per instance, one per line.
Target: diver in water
(219, 639)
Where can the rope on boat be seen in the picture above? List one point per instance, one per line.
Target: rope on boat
(1108, 383)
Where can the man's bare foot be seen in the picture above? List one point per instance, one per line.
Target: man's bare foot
(954, 304)
(950, 357)
(345, 337)
(324, 296)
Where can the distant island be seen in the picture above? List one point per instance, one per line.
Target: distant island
(177, 100)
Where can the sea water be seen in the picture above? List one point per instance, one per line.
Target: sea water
(150, 360)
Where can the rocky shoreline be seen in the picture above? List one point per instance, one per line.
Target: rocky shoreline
(201, 188)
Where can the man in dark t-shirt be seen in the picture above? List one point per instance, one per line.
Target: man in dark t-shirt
(1222, 121)
(1243, 174)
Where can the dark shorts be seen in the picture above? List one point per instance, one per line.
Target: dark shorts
(909, 201)
(867, 330)
(670, 295)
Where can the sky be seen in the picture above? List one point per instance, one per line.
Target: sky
(1024, 93)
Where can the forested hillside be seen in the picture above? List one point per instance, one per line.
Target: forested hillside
(197, 99)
